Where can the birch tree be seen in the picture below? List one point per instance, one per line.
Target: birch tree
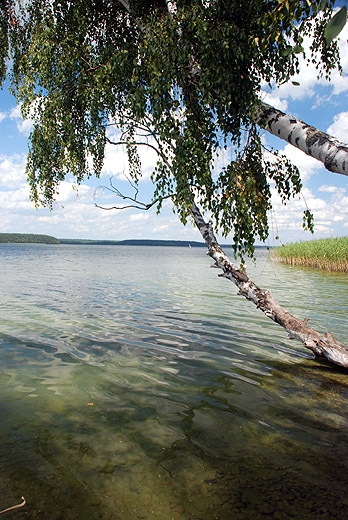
(186, 75)
(182, 77)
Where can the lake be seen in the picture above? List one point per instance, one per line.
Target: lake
(136, 384)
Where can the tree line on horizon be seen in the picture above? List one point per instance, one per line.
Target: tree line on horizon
(27, 238)
(31, 238)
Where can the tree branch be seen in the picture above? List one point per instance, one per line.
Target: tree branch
(125, 4)
(322, 345)
(133, 143)
(136, 204)
(327, 149)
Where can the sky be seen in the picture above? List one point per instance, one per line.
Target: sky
(317, 102)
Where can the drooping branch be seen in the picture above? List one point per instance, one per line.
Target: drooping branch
(327, 149)
(322, 345)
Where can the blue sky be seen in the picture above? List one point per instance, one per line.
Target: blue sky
(316, 102)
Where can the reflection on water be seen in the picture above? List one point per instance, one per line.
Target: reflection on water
(135, 384)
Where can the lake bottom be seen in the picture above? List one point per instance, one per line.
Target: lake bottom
(94, 448)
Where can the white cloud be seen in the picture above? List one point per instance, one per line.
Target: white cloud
(308, 78)
(339, 127)
(339, 81)
(115, 162)
(331, 189)
(306, 164)
(330, 216)
(68, 191)
(139, 217)
(24, 126)
(163, 227)
(16, 200)
(273, 98)
(15, 112)
(12, 171)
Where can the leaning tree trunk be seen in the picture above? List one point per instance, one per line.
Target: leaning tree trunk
(322, 345)
(334, 155)
(328, 150)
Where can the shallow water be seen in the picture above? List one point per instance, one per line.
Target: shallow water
(136, 384)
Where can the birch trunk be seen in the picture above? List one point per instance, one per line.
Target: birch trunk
(328, 150)
(322, 345)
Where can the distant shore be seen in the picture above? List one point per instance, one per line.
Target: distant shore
(133, 242)
(28, 238)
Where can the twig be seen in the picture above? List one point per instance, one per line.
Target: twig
(14, 507)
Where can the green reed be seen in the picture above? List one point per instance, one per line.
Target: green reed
(329, 254)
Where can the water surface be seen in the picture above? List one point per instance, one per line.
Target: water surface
(136, 384)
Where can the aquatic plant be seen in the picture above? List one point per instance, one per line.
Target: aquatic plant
(329, 254)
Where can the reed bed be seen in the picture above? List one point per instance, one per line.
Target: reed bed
(329, 254)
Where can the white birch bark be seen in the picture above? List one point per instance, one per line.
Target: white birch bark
(328, 150)
(322, 345)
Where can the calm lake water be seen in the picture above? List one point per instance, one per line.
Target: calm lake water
(136, 384)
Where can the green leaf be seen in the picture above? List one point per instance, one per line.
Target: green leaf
(287, 51)
(296, 83)
(297, 49)
(335, 25)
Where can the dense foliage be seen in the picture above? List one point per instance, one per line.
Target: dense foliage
(185, 80)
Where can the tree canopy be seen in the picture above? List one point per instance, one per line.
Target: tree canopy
(183, 77)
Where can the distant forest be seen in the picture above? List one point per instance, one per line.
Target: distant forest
(24, 238)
